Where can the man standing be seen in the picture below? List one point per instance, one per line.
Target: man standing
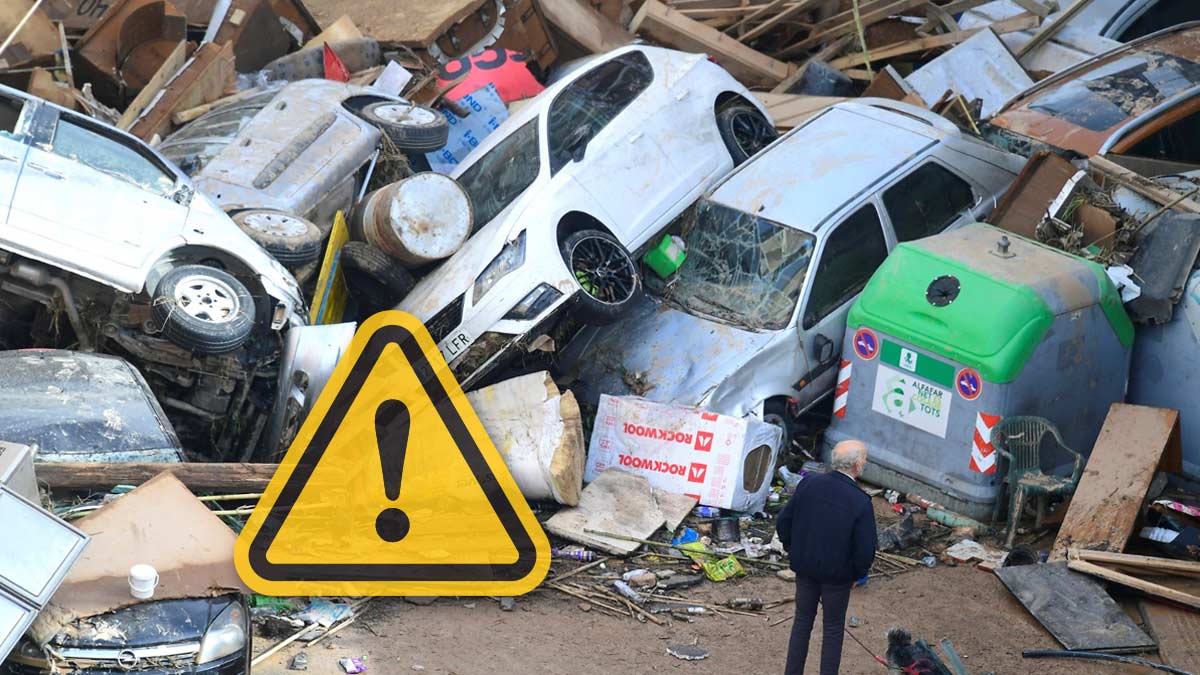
(828, 529)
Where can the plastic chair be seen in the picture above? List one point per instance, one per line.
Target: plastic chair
(1019, 439)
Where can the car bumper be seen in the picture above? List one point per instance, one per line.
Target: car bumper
(237, 664)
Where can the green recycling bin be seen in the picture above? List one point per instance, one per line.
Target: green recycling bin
(957, 331)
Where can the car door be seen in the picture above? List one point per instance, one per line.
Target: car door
(593, 137)
(929, 200)
(852, 251)
(95, 201)
(14, 144)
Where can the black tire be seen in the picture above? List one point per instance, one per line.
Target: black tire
(744, 130)
(375, 280)
(409, 126)
(775, 411)
(292, 240)
(607, 275)
(203, 309)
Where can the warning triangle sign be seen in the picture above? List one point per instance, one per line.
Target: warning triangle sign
(392, 487)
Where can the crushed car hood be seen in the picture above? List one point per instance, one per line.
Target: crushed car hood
(142, 625)
(661, 354)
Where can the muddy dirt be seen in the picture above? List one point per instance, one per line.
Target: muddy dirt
(549, 633)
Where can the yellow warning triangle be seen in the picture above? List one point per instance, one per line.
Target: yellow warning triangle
(392, 487)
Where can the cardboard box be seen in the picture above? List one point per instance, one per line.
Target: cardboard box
(720, 460)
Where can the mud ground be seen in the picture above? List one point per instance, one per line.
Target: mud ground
(549, 633)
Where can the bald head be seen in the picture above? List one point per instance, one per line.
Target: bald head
(849, 457)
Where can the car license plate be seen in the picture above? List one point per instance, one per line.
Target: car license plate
(454, 346)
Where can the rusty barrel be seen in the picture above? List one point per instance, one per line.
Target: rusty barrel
(421, 219)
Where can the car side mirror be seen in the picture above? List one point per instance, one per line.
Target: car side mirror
(576, 143)
(823, 350)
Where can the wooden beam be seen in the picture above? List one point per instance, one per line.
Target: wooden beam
(1016, 23)
(669, 27)
(1143, 562)
(184, 116)
(202, 79)
(717, 12)
(198, 476)
(757, 13)
(827, 52)
(792, 110)
(841, 24)
(937, 14)
(1051, 29)
(1157, 590)
(582, 23)
(788, 13)
(1036, 7)
(162, 76)
(1145, 187)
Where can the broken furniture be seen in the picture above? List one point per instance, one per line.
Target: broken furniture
(955, 332)
(1135, 442)
(1019, 440)
(124, 50)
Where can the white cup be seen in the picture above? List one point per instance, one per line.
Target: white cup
(143, 579)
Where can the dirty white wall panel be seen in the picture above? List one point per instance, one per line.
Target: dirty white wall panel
(982, 67)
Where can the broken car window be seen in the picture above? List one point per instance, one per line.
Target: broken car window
(855, 249)
(1125, 88)
(110, 156)
(926, 201)
(741, 269)
(495, 180)
(10, 114)
(1176, 142)
(588, 104)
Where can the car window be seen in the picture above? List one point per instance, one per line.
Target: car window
(589, 103)
(495, 180)
(111, 156)
(192, 156)
(1163, 14)
(10, 114)
(853, 252)
(926, 201)
(1176, 142)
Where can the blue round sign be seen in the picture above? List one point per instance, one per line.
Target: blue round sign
(969, 384)
(866, 344)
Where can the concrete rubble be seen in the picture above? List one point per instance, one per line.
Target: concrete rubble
(666, 253)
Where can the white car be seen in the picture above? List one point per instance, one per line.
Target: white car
(105, 245)
(571, 186)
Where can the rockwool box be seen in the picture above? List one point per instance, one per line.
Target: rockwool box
(720, 460)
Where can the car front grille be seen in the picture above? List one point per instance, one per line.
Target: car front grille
(446, 320)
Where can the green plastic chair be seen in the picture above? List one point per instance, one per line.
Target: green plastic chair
(1019, 439)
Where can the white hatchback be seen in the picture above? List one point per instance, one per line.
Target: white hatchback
(571, 186)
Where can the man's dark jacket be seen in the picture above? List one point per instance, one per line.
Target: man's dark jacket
(828, 529)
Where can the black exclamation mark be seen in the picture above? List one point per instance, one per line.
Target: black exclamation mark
(391, 434)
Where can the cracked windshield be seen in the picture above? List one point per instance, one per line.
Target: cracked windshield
(741, 269)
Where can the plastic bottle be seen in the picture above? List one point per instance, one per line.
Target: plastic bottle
(744, 603)
(581, 555)
(706, 511)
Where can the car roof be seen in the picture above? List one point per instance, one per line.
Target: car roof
(810, 173)
(1081, 108)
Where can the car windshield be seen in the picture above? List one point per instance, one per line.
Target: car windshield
(741, 269)
(496, 180)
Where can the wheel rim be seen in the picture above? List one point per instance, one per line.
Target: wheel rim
(751, 131)
(279, 224)
(207, 299)
(603, 270)
(405, 115)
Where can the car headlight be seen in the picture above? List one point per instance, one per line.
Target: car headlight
(225, 635)
(534, 303)
(510, 258)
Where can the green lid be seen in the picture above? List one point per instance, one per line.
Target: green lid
(1004, 305)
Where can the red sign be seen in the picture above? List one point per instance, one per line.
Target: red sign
(704, 441)
(696, 472)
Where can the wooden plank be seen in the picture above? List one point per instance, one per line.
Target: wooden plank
(209, 72)
(951, 8)
(165, 72)
(935, 13)
(1023, 206)
(792, 110)
(586, 26)
(1149, 564)
(184, 116)
(1134, 442)
(413, 23)
(889, 84)
(673, 29)
(841, 24)
(827, 52)
(1157, 590)
(26, 34)
(342, 29)
(1036, 7)
(1177, 632)
(198, 476)
(762, 28)
(1012, 25)
(1051, 28)
(1145, 187)
(757, 13)
(1074, 608)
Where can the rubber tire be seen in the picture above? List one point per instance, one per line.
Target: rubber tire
(725, 117)
(415, 137)
(589, 309)
(775, 411)
(198, 335)
(373, 277)
(290, 250)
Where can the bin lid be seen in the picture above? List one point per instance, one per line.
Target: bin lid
(958, 295)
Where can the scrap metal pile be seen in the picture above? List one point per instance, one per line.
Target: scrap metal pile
(672, 250)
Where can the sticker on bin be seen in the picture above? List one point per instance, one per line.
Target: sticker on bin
(969, 383)
(983, 454)
(866, 344)
(723, 461)
(902, 396)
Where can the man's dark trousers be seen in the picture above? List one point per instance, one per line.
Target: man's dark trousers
(834, 598)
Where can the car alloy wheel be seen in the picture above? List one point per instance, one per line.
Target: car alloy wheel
(206, 298)
(604, 270)
(751, 131)
(405, 115)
